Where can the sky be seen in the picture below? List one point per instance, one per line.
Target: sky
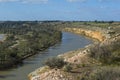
(67, 10)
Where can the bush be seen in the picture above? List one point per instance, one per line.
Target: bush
(105, 73)
(107, 53)
(55, 62)
(67, 68)
(101, 53)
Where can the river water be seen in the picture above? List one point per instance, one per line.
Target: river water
(69, 42)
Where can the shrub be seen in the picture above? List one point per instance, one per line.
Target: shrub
(80, 65)
(101, 53)
(67, 68)
(105, 73)
(55, 62)
(106, 53)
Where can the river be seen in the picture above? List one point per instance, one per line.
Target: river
(69, 42)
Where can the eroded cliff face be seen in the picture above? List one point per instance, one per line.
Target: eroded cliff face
(95, 34)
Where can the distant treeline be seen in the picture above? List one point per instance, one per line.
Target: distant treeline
(24, 39)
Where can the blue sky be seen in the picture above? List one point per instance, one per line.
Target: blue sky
(83, 10)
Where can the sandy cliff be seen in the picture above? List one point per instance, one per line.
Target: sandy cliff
(95, 34)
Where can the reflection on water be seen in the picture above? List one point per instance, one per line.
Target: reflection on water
(69, 42)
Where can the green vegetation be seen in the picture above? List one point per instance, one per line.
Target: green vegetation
(59, 63)
(67, 68)
(105, 73)
(55, 62)
(24, 39)
(107, 53)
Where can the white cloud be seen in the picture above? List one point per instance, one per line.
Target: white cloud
(89, 0)
(8, 0)
(34, 1)
(26, 1)
(76, 0)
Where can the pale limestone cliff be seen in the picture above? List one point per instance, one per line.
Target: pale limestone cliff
(95, 34)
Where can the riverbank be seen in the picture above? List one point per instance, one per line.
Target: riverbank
(78, 58)
(23, 42)
(19, 61)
